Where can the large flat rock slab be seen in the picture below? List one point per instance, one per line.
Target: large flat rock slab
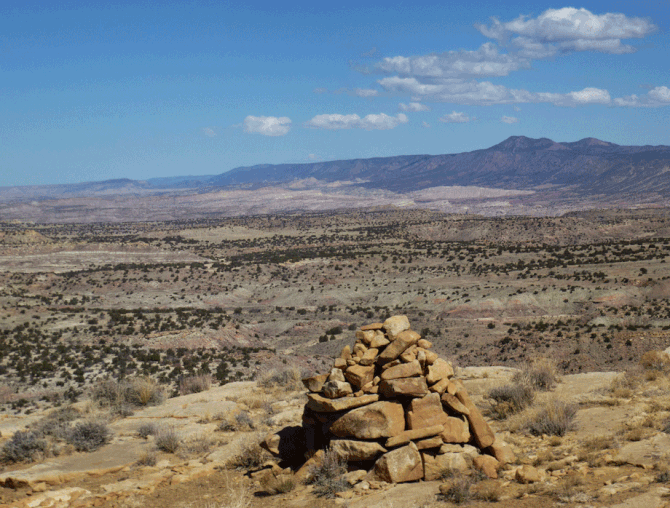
(644, 453)
(107, 459)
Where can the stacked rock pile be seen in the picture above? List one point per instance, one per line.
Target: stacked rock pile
(393, 407)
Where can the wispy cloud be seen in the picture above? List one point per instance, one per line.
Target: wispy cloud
(209, 132)
(413, 107)
(355, 92)
(267, 125)
(657, 97)
(368, 122)
(461, 76)
(425, 124)
(456, 117)
(509, 119)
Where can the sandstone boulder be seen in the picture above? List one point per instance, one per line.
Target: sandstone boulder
(405, 387)
(315, 383)
(320, 404)
(394, 325)
(527, 474)
(401, 465)
(412, 435)
(336, 389)
(426, 412)
(481, 431)
(434, 465)
(440, 369)
(455, 431)
(412, 369)
(360, 375)
(374, 421)
(398, 346)
(487, 465)
(354, 451)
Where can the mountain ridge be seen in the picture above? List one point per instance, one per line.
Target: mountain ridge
(588, 166)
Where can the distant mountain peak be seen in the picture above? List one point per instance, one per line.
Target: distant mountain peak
(523, 144)
(592, 142)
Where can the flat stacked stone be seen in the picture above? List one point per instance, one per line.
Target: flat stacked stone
(392, 403)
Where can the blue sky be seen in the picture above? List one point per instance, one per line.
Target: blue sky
(131, 89)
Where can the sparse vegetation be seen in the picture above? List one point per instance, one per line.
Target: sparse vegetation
(195, 384)
(553, 418)
(23, 446)
(287, 379)
(167, 439)
(510, 399)
(250, 456)
(88, 436)
(327, 475)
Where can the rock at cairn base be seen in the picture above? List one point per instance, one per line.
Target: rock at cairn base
(393, 404)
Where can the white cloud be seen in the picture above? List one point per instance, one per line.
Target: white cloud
(267, 125)
(209, 132)
(313, 157)
(460, 77)
(456, 117)
(657, 97)
(425, 124)
(487, 61)
(413, 107)
(509, 119)
(485, 93)
(591, 96)
(369, 122)
(568, 29)
(364, 92)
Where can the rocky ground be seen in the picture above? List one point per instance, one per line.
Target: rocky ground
(616, 455)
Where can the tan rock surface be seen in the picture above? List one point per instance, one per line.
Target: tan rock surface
(350, 450)
(360, 375)
(320, 404)
(412, 435)
(412, 369)
(434, 465)
(394, 325)
(374, 421)
(426, 412)
(401, 465)
(413, 387)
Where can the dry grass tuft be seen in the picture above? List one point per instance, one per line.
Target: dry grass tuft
(327, 477)
(510, 399)
(249, 456)
(287, 379)
(540, 374)
(554, 418)
(195, 384)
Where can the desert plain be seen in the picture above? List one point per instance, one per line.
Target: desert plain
(223, 316)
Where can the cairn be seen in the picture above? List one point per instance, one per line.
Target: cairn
(393, 407)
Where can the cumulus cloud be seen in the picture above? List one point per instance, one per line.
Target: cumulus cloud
(209, 132)
(267, 125)
(368, 122)
(413, 107)
(487, 61)
(462, 76)
(568, 29)
(657, 97)
(456, 117)
(509, 119)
